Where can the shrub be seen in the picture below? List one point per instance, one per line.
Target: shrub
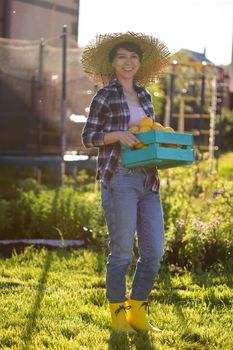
(5, 216)
(198, 218)
(227, 130)
(44, 213)
(197, 214)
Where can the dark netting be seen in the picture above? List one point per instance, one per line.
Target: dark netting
(30, 96)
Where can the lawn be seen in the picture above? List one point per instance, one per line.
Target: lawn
(226, 165)
(56, 300)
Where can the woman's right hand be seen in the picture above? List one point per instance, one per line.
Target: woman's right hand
(126, 138)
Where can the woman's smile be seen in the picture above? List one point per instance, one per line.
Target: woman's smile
(126, 64)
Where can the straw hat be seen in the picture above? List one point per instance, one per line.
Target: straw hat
(95, 58)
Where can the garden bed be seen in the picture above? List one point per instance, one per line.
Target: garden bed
(18, 245)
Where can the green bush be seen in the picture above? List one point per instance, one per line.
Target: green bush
(50, 213)
(198, 218)
(5, 216)
(197, 214)
(227, 130)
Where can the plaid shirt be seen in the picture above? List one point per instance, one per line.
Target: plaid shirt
(109, 112)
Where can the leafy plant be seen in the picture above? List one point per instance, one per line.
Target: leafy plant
(197, 209)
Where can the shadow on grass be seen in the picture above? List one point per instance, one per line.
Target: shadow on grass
(33, 314)
(212, 278)
(101, 263)
(118, 340)
(124, 341)
(169, 294)
(142, 341)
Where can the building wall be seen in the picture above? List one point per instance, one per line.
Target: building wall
(31, 125)
(35, 19)
(4, 17)
(1, 17)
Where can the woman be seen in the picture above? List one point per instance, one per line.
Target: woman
(124, 63)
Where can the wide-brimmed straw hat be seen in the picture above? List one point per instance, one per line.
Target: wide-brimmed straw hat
(95, 58)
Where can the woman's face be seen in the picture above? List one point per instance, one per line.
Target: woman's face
(126, 64)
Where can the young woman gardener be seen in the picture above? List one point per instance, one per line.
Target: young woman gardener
(124, 63)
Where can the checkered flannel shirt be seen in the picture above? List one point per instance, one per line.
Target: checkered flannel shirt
(109, 112)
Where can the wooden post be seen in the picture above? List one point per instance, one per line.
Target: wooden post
(39, 96)
(212, 124)
(63, 102)
(201, 104)
(181, 115)
(167, 112)
(171, 93)
(220, 90)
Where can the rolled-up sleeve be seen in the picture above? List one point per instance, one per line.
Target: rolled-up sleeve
(93, 134)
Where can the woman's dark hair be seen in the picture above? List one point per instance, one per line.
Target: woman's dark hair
(127, 45)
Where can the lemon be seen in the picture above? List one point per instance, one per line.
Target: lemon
(134, 128)
(139, 145)
(168, 129)
(144, 128)
(146, 121)
(157, 126)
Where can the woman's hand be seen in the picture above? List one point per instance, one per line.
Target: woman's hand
(126, 138)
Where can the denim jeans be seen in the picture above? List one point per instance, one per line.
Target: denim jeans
(130, 206)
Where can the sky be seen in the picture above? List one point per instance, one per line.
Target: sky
(188, 24)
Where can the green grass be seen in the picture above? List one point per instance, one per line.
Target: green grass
(56, 300)
(226, 165)
(223, 165)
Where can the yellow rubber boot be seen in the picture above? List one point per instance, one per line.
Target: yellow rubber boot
(137, 316)
(119, 321)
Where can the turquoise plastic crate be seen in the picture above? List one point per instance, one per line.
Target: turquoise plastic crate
(156, 154)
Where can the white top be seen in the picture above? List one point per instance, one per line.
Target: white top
(136, 114)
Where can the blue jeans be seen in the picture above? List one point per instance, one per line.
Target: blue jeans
(130, 206)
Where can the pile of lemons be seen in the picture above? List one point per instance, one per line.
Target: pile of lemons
(147, 124)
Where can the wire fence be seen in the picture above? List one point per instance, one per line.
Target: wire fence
(31, 89)
(30, 96)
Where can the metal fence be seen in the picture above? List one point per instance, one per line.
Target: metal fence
(31, 96)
